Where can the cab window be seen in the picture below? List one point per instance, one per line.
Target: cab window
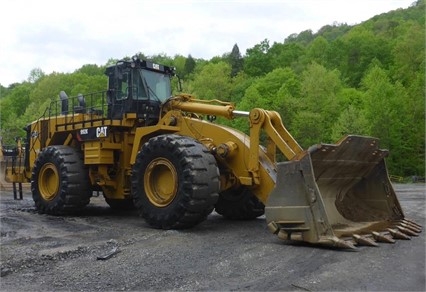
(123, 87)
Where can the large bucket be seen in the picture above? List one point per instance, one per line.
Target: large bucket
(338, 195)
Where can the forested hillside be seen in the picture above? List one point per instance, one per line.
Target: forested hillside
(366, 79)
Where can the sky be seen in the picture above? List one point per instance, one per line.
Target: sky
(64, 35)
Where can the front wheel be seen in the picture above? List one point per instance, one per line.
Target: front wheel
(59, 180)
(175, 182)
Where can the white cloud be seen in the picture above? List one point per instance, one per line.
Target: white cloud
(64, 35)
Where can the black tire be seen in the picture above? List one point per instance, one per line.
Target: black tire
(239, 204)
(120, 204)
(60, 181)
(175, 182)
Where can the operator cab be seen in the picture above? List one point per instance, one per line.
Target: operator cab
(138, 86)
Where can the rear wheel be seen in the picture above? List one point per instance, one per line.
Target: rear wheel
(60, 180)
(175, 182)
(239, 204)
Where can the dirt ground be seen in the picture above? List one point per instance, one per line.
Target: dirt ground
(48, 253)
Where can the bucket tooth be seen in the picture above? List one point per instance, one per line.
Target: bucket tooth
(398, 235)
(382, 238)
(407, 231)
(343, 244)
(363, 240)
(411, 222)
(273, 227)
(410, 227)
(282, 234)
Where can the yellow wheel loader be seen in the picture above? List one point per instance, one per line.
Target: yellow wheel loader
(166, 156)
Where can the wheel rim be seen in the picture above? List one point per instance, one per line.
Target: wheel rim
(48, 181)
(160, 182)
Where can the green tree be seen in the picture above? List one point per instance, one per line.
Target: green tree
(179, 63)
(240, 83)
(35, 75)
(269, 92)
(317, 50)
(320, 102)
(386, 114)
(264, 92)
(287, 55)
(4, 91)
(334, 31)
(162, 59)
(12, 107)
(363, 46)
(349, 121)
(409, 54)
(336, 55)
(91, 70)
(304, 37)
(20, 98)
(415, 119)
(235, 60)
(213, 82)
(257, 61)
(189, 66)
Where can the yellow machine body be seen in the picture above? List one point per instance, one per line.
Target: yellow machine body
(333, 194)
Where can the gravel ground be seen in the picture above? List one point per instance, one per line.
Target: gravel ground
(48, 253)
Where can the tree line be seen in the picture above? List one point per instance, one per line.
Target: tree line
(365, 79)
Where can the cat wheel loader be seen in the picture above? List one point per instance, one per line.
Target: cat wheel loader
(166, 156)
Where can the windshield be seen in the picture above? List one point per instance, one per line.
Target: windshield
(158, 85)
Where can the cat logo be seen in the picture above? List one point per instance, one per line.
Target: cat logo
(101, 132)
